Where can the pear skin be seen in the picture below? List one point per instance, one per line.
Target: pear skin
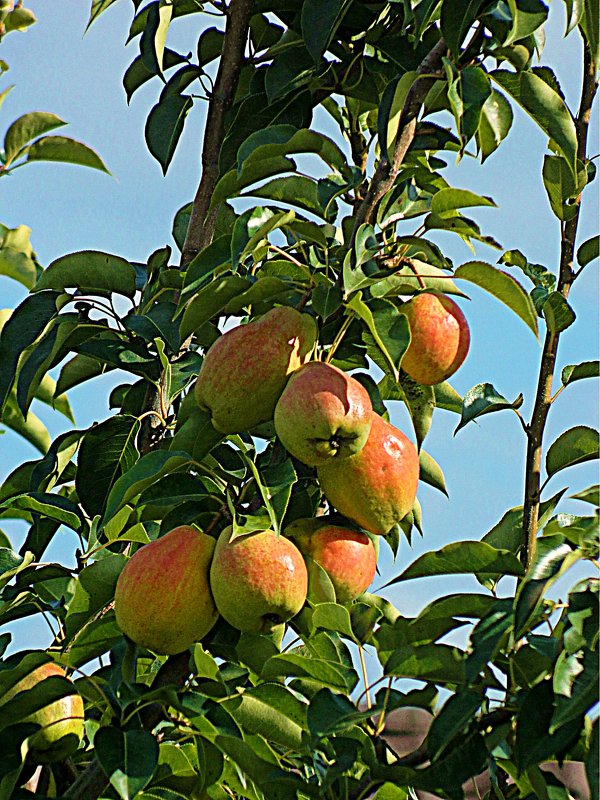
(377, 487)
(163, 599)
(61, 720)
(323, 413)
(439, 340)
(246, 369)
(346, 555)
(258, 580)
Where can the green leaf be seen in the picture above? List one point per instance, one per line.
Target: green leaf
(269, 710)
(66, 150)
(54, 506)
(578, 694)
(448, 200)
(589, 495)
(456, 18)
(142, 474)
(30, 428)
(438, 663)
(164, 127)
(326, 299)
(590, 24)
(487, 637)
(557, 312)
(388, 327)
(458, 558)
(27, 128)
(468, 94)
(25, 325)
(94, 589)
(484, 399)
(456, 715)
(332, 617)
(327, 673)
(319, 22)
(90, 271)
(295, 190)
(545, 106)
(494, 124)
(502, 286)
(560, 186)
(211, 300)
(447, 397)
(592, 765)
(98, 6)
(588, 251)
(128, 758)
(431, 473)
(576, 372)
(17, 259)
(574, 446)
(152, 43)
(107, 451)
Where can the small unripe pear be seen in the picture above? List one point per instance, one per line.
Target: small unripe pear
(377, 487)
(163, 599)
(258, 580)
(61, 720)
(246, 369)
(346, 555)
(323, 413)
(439, 338)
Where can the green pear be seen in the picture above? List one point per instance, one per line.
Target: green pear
(349, 557)
(258, 580)
(376, 487)
(163, 599)
(246, 369)
(61, 720)
(439, 340)
(323, 413)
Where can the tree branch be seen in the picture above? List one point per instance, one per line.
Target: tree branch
(201, 227)
(386, 171)
(533, 464)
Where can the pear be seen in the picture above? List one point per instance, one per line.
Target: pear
(347, 556)
(376, 487)
(61, 721)
(258, 580)
(246, 369)
(323, 413)
(163, 599)
(439, 340)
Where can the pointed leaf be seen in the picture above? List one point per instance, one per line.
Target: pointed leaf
(164, 126)
(450, 199)
(68, 151)
(588, 251)
(576, 372)
(27, 128)
(89, 270)
(484, 399)
(574, 446)
(128, 758)
(503, 286)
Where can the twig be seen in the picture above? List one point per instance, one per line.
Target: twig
(543, 399)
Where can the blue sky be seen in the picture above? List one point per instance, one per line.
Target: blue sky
(56, 68)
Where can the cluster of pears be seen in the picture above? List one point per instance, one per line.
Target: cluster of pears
(172, 590)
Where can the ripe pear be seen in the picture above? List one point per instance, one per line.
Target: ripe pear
(163, 599)
(246, 369)
(323, 413)
(439, 338)
(61, 720)
(258, 580)
(347, 556)
(376, 487)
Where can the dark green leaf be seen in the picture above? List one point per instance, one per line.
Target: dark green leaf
(487, 637)
(438, 663)
(106, 452)
(89, 271)
(326, 299)
(475, 558)
(574, 446)
(494, 124)
(209, 301)
(576, 372)
(456, 18)
(588, 251)
(129, 758)
(484, 399)
(164, 126)
(557, 313)
(456, 715)
(295, 190)
(328, 673)
(319, 23)
(54, 506)
(560, 186)
(94, 589)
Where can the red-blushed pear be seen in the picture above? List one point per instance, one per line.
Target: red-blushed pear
(163, 599)
(377, 487)
(439, 338)
(323, 413)
(246, 369)
(61, 721)
(347, 556)
(258, 580)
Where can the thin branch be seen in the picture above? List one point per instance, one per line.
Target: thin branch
(201, 226)
(543, 398)
(386, 171)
